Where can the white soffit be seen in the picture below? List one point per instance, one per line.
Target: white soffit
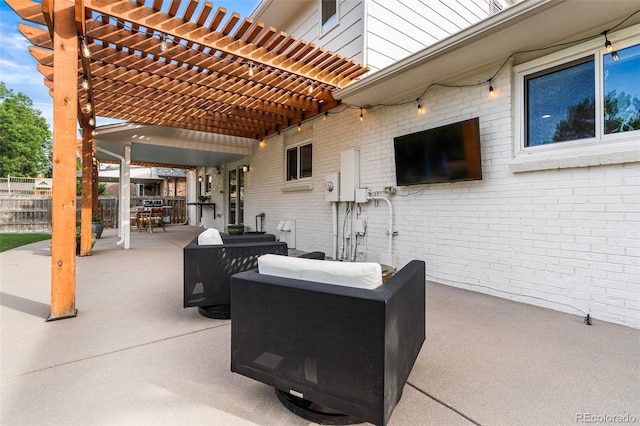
(527, 25)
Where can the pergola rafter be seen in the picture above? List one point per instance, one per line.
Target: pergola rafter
(219, 73)
(144, 63)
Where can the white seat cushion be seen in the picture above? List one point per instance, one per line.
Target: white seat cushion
(209, 237)
(351, 274)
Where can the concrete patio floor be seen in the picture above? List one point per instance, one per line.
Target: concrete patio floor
(134, 356)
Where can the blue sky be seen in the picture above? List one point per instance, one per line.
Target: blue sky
(18, 68)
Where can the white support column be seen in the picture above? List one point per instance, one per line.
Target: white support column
(125, 196)
(192, 192)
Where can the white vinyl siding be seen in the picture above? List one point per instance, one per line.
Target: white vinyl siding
(345, 39)
(378, 33)
(397, 28)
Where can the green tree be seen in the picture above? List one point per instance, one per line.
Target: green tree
(25, 138)
(621, 112)
(579, 124)
(102, 187)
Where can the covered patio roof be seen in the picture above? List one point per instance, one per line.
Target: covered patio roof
(183, 64)
(154, 146)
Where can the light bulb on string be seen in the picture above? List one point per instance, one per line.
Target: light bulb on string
(84, 48)
(250, 69)
(85, 83)
(361, 116)
(607, 43)
(164, 45)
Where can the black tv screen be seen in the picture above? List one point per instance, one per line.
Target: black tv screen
(444, 154)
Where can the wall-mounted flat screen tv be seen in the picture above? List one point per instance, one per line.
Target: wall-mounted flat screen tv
(444, 154)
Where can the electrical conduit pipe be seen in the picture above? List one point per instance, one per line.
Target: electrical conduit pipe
(390, 232)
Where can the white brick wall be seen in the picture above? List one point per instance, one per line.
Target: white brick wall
(563, 239)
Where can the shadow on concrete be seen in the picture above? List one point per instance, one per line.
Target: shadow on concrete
(31, 307)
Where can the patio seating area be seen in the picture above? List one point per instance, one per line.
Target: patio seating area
(135, 356)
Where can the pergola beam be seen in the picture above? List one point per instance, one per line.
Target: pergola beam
(233, 76)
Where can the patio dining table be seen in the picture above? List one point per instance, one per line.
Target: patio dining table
(145, 216)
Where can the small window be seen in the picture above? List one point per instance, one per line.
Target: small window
(299, 161)
(560, 103)
(328, 14)
(306, 152)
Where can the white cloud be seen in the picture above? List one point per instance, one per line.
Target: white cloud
(18, 69)
(12, 72)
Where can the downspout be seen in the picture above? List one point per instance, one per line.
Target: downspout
(334, 210)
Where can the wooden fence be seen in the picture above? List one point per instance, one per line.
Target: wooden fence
(25, 213)
(34, 213)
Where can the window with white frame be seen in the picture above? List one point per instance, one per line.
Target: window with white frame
(581, 97)
(560, 103)
(328, 14)
(298, 162)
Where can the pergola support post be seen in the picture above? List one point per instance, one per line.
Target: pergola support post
(87, 190)
(65, 104)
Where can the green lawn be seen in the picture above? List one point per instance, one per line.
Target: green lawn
(9, 241)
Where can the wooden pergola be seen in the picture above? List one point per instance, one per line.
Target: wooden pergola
(175, 63)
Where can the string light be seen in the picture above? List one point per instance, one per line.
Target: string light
(250, 68)
(263, 143)
(609, 47)
(420, 107)
(326, 114)
(607, 43)
(299, 127)
(92, 121)
(85, 83)
(87, 107)
(491, 93)
(361, 116)
(163, 42)
(84, 48)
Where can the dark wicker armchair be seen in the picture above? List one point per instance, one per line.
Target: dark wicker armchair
(349, 349)
(208, 269)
